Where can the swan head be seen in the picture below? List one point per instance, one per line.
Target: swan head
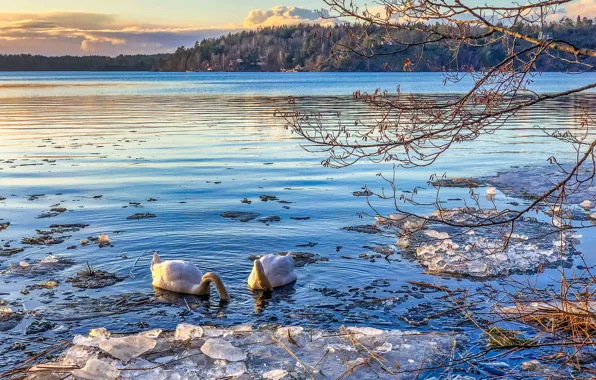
(258, 279)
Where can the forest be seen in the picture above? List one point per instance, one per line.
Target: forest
(331, 48)
(320, 48)
(28, 62)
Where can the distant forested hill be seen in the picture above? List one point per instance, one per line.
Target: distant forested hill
(317, 48)
(28, 62)
(310, 48)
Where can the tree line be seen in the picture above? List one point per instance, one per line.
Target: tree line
(333, 48)
(320, 48)
(28, 62)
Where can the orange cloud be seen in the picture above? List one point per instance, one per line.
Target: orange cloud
(59, 33)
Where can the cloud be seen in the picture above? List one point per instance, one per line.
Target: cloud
(284, 15)
(59, 33)
(583, 8)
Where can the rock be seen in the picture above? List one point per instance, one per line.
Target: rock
(103, 240)
(4, 226)
(44, 240)
(456, 182)
(310, 244)
(221, 349)
(94, 279)
(186, 332)
(239, 215)
(50, 284)
(5, 252)
(37, 327)
(491, 190)
(532, 366)
(587, 204)
(365, 193)
(363, 229)
(129, 347)
(266, 198)
(269, 219)
(300, 217)
(49, 264)
(8, 318)
(246, 201)
(96, 369)
(140, 216)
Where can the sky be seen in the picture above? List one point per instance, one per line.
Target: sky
(111, 27)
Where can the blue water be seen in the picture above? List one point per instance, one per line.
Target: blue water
(201, 142)
(266, 84)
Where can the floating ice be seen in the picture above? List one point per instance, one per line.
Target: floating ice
(127, 348)
(587, 204)
(221, 349)
(483, 253)
(97, 370)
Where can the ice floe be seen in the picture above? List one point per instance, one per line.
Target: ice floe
(268, 352)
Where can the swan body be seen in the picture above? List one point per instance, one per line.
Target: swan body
(183, 277)
(272, 271)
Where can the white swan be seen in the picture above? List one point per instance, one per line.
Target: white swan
(183, 277)
(272, 271)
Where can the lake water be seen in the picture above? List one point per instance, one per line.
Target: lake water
(198, 143)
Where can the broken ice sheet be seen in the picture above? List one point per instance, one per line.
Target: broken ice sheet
(224, 350)
(128, 347)
(481, 253)
(96, 369)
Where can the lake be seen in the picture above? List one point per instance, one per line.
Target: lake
(188, 147)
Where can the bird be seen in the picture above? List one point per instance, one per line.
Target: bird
(491, 190)
(184, 277)
(272, 271)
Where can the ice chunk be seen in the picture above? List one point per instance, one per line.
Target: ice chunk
(186, 331)
(403, 242)
(96, 369)
(100, 332)
(127, 348)
(365, 330)
(276, 374)
(221, 349)
(437, 235)
(587, 204)
(153, 334)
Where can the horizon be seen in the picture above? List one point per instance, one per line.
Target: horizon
(83, 28)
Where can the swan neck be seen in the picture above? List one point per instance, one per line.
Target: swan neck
(261, 277)
(212, 278)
